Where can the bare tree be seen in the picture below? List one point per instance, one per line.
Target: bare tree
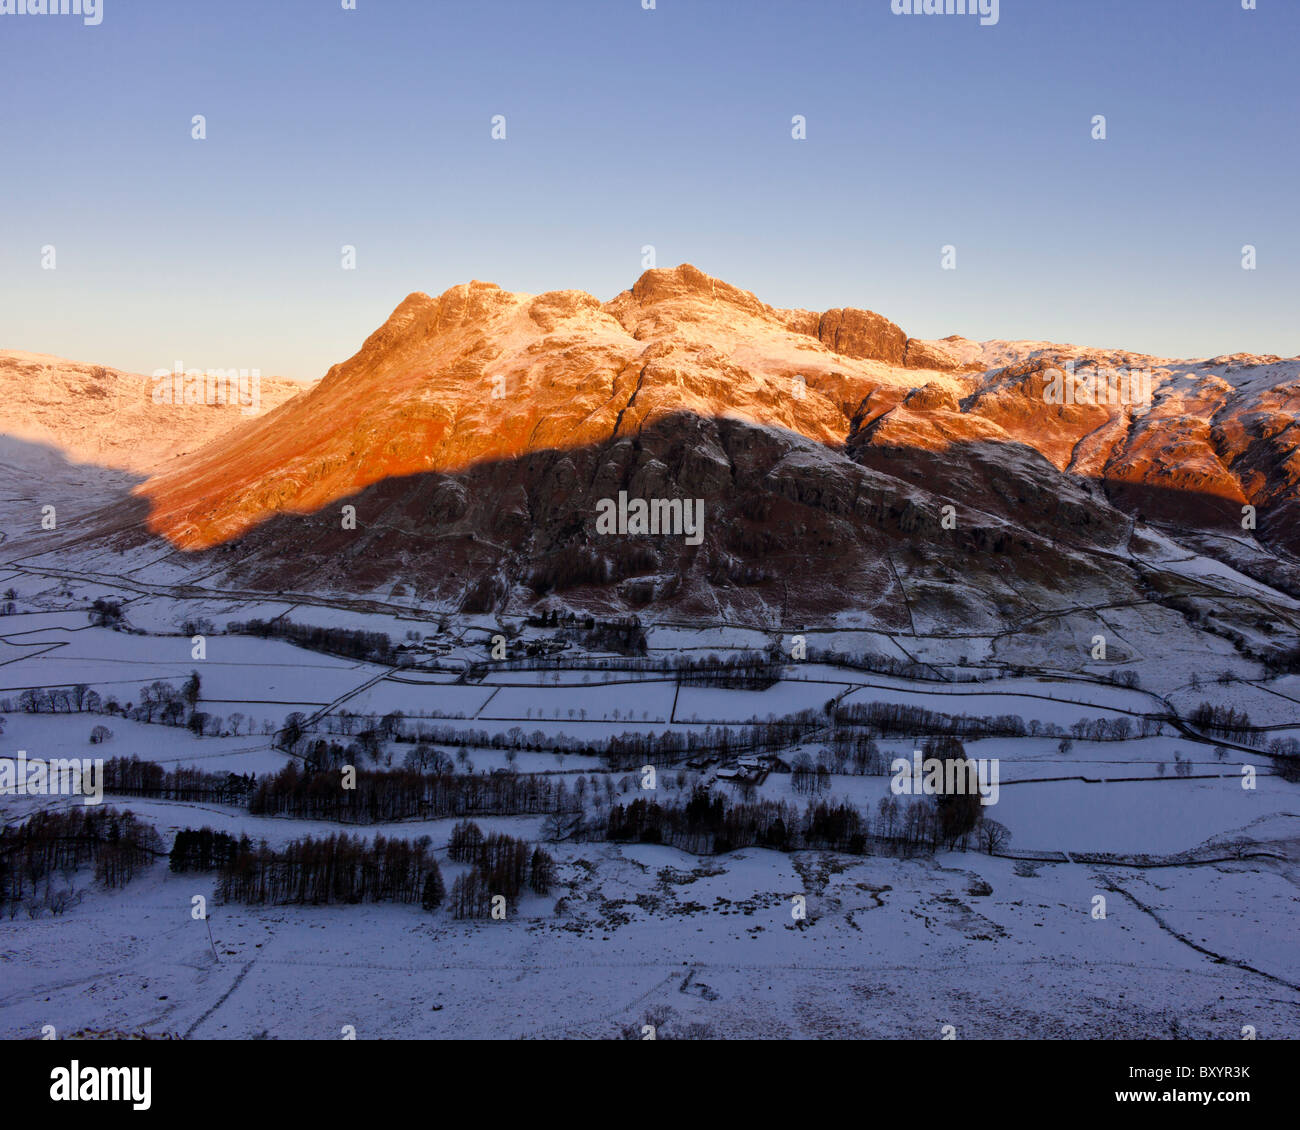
(991, 836)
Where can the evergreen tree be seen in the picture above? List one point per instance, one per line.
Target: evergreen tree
(434, 890)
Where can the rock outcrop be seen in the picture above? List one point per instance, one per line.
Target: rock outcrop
(475, 433)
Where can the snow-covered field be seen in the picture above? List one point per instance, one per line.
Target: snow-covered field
(890, 948)
(1008, 945)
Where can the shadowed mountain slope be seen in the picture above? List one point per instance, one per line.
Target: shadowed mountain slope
(476, 434)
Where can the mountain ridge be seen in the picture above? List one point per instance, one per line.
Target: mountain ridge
(476, 431)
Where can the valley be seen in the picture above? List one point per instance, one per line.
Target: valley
(395, 632)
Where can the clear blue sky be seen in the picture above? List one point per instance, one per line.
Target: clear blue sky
(625, 127)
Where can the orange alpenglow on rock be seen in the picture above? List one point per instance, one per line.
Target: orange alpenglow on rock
(848, 472)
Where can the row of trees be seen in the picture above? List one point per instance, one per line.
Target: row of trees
(375, 797)
(690, 668)
(354, 643)
(499, 865)
(747, 671)
(851, 750)
(337, 868)
(118, 844)
(157, 702)
(709, 824)
(133, 777)
(1224, 722)
(76, 699)
(892, 719)
(202, 849)
(348, 869)
(631, 749)
(774, 661)
(1116, 729)
(875, 662)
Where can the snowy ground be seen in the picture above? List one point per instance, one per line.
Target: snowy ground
(890, 948)
(636, 934)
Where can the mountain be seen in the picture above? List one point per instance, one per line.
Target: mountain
(104, 417)
(477, 433)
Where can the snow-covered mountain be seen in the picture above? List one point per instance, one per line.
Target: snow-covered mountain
(94, 415)
(848, 473)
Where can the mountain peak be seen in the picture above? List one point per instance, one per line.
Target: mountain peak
(482, 381)
(686, 282)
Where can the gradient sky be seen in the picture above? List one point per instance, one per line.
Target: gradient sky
(627, 127)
